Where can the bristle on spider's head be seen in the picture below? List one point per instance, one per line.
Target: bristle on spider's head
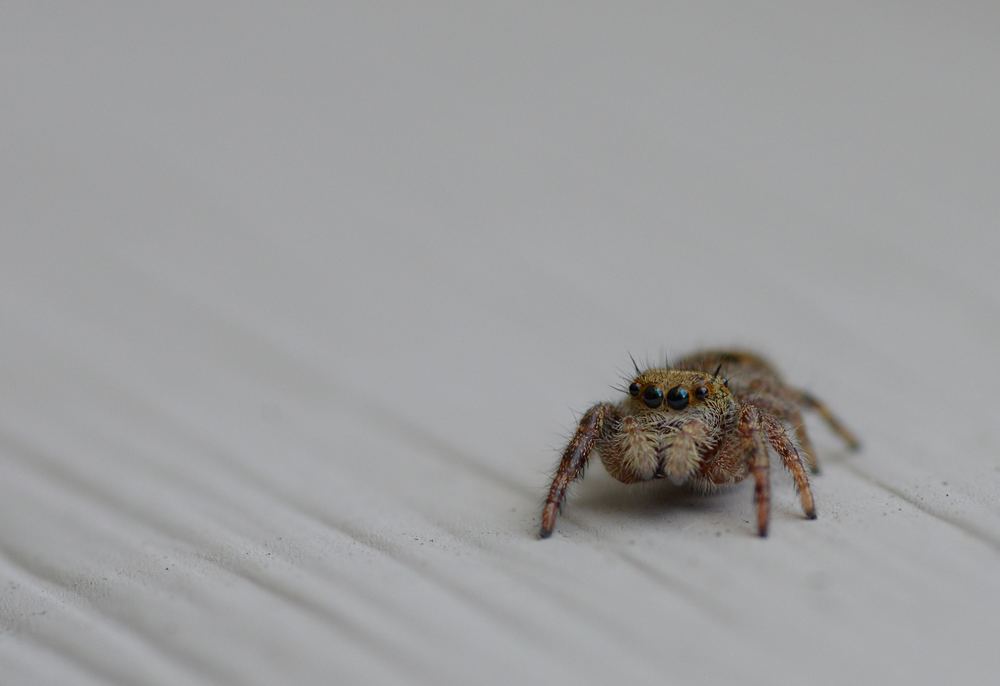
(634, 364)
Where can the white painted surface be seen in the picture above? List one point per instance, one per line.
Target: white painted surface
(298, 306)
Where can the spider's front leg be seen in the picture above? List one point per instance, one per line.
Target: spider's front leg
(573, 461)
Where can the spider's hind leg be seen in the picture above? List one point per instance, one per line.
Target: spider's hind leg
(809, 401)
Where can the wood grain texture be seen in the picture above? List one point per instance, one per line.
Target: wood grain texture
(299, 305)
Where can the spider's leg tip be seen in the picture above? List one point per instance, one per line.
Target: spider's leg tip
(544, 533)
(811, 515)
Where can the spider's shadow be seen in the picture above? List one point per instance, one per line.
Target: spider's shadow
(653, 500)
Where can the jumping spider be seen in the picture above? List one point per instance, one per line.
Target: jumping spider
(688, 424)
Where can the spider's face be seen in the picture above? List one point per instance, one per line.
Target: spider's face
(656, 437)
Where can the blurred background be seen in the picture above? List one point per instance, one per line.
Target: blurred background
(299, 305)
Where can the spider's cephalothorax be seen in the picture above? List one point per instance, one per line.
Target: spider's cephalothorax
(708, 421)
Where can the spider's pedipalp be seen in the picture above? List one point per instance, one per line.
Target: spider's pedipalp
(682, 450)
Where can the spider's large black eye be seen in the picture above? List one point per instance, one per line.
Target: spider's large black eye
(633, 389)
(677, 397)
(653, 396)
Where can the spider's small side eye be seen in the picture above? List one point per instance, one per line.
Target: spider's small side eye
(677, 397)
(653, 396)
(701, 393)
(633, 389)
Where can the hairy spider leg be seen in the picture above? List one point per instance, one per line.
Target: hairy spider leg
(805, 443)
(753, 438)
(779, 440)
(811, 402)
(573, 462)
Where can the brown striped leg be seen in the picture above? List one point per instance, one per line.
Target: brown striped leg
(573, 461)
(813, 403)
(759, 467)
(779, 440)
